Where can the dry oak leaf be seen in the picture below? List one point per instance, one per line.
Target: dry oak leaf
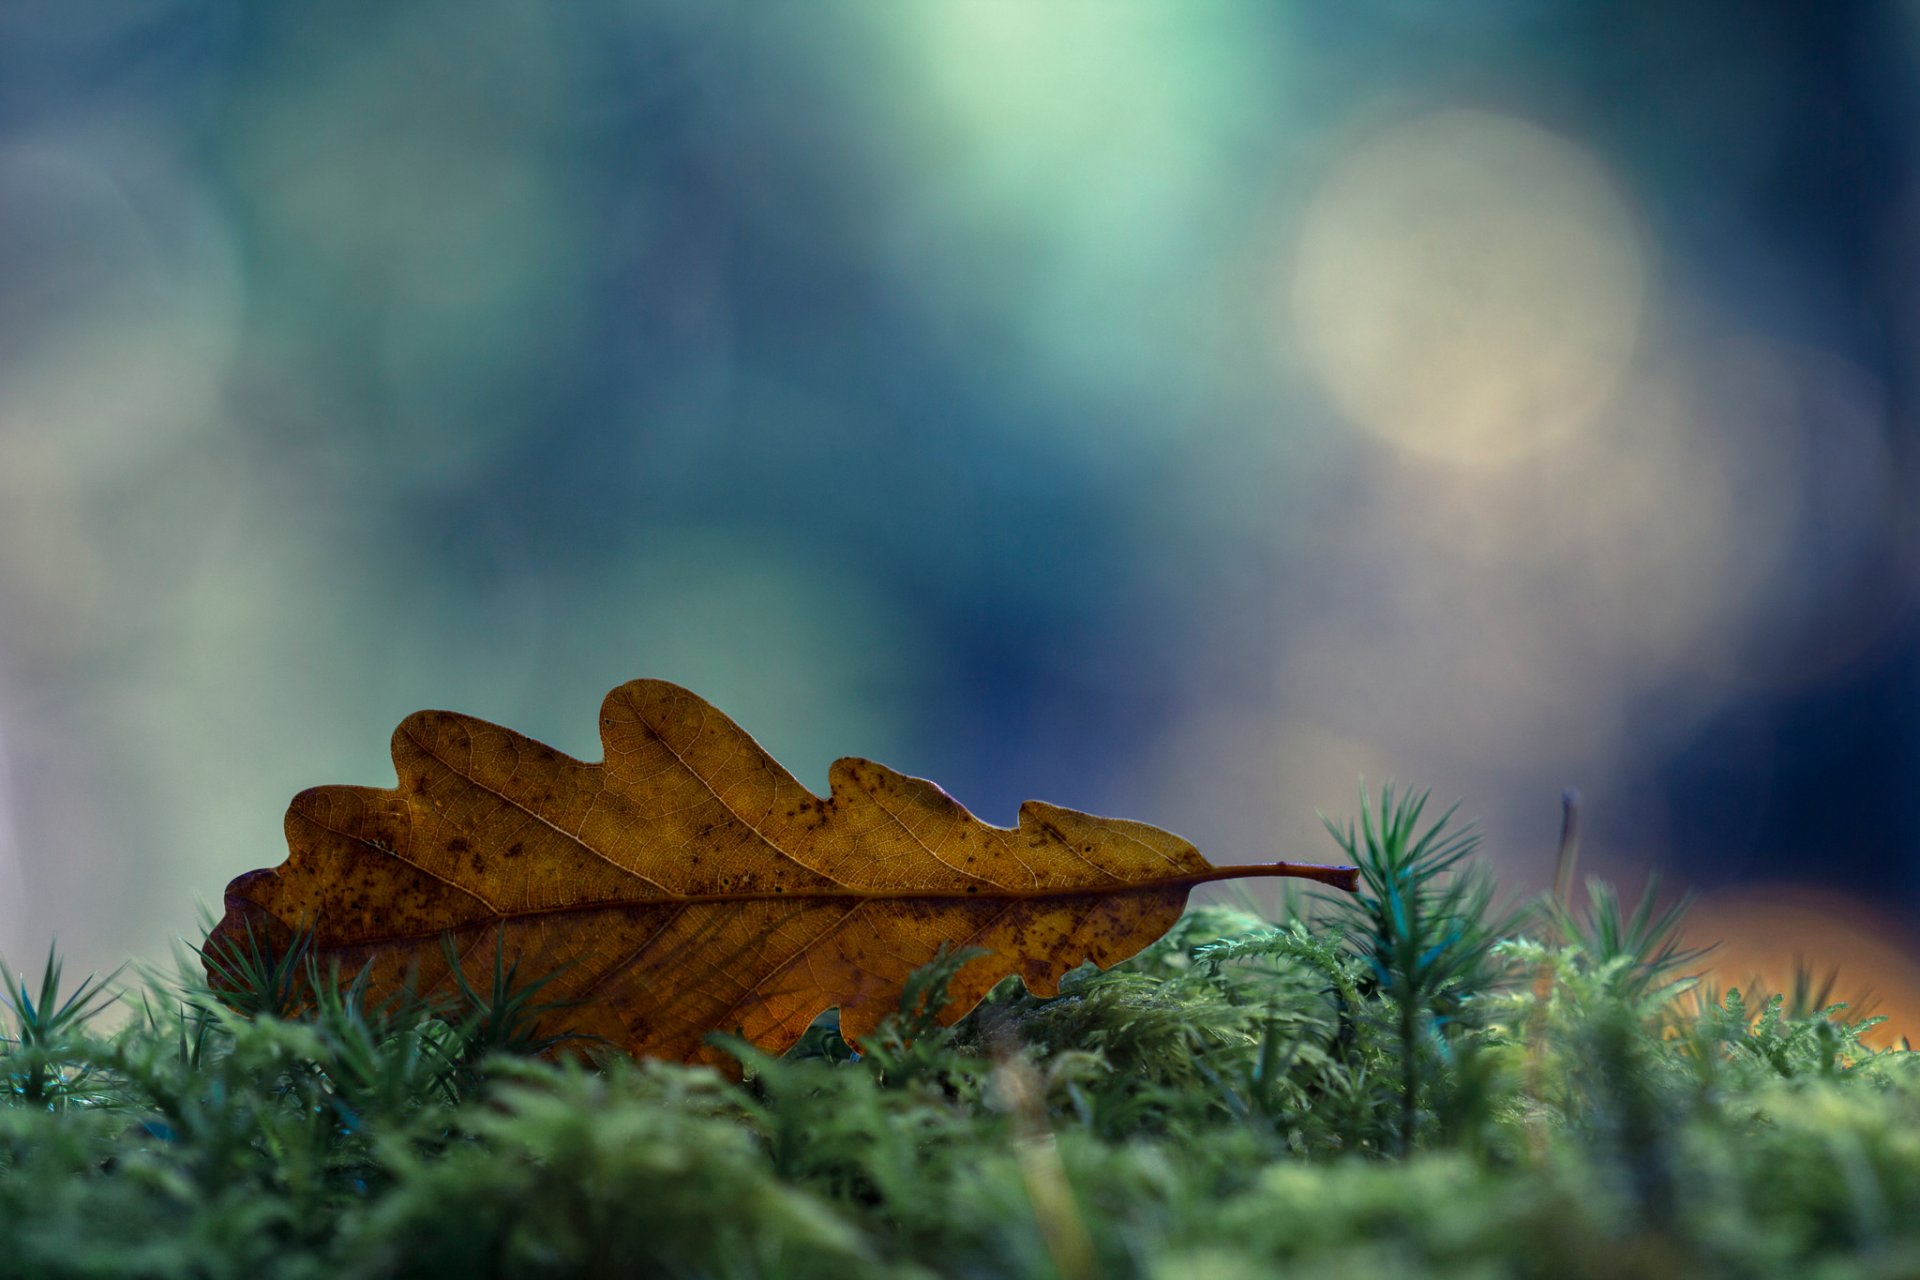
(690, 885)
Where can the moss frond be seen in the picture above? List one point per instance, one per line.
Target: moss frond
(1416, 1082)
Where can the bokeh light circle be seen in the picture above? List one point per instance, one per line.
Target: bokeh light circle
(1469, 286)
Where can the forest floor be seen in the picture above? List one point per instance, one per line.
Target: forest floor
(1411, 1082)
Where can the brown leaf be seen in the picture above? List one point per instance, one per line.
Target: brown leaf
(689, 884)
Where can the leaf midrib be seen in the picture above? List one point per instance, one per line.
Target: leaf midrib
(1125, 888)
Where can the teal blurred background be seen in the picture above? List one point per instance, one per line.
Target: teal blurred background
(1169, 410)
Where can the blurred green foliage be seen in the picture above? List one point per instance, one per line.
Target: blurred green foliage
(1242, 1096)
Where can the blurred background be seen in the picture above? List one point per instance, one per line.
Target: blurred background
(1171, 411)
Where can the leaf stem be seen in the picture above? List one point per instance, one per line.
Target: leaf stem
(1347, 878)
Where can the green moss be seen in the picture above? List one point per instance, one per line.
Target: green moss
(1407, 1083)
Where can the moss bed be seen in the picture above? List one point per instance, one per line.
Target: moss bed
(1409, 1082)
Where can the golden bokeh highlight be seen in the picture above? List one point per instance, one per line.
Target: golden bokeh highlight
(1468, 286)
(1762, 935)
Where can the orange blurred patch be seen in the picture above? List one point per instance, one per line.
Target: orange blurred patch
(1766, 932)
